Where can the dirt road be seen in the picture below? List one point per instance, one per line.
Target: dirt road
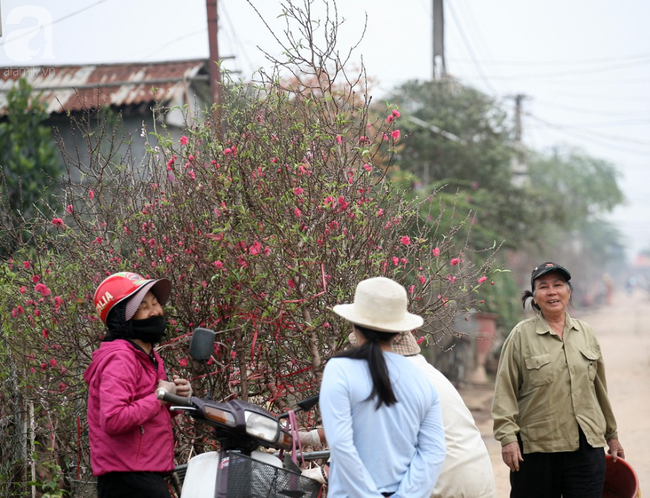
(623, 329)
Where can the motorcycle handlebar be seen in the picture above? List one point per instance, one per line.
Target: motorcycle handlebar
(173, 399)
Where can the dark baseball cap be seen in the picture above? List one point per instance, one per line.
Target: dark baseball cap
(547, 267)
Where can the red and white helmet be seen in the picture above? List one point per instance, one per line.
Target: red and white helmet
(131, 286)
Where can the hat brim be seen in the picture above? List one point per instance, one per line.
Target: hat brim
(162, 289)
(557, 269)
(408, 322)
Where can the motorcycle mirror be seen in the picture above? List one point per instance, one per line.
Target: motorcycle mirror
(202, 344)
(308, 403)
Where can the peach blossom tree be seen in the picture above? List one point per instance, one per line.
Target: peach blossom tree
(261, 233)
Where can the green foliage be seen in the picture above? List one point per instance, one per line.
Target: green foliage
(480, 153)
(581, 187)
(29, 169)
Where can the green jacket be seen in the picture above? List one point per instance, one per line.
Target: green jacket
(547, 387)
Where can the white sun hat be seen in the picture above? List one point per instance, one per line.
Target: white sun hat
(380, 304)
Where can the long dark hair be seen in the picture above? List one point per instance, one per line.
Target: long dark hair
(372, 353)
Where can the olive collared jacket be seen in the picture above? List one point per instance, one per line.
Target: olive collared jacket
(548, 387)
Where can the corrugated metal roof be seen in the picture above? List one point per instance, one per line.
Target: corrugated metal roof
(77, 88)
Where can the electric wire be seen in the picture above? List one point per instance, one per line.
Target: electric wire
(237, 41)
(593, 137)
(616, 58)
(171, 42)
(469, 49)
(476, 29)
(56, 21)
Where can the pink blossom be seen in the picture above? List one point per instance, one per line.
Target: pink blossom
(218, 265)
(298, 191)
(482, 279)
(35, 279)
(255, 248)
(22, 290)
(384, 136)
(420, 340)
(422, 279)
(405, 240)
(27, 265)
(390, 118)
(297, 213)
(42, 288)
(367, 167)
(91, 194)
(339, 139)
(455, 261)
(57, 222)
(53, 363)
(69, 209)
(291, 283)
(396, 113)
(395, 134)
(395, 260)
(436, 251)
(380, 213)
(183, 362)
(227, 151)
(411, 289)
(184, 140)
(492, 282)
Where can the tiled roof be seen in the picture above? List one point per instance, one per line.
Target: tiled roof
(76, 88)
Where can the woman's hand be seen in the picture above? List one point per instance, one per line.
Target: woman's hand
(170, 387)
(615, 449)
(183, 386)
(511, 455)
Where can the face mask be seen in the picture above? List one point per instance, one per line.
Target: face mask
(149, 330)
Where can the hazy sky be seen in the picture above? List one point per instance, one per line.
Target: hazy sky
(583, 64)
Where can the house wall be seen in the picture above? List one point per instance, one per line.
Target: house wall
(126, 132)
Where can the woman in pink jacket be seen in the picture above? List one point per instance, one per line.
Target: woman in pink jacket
(131, 440)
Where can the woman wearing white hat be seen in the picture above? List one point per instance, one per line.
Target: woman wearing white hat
(383, 423)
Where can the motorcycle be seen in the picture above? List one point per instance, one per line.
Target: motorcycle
(239, 469)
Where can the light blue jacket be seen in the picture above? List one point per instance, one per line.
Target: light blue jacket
(398, 449)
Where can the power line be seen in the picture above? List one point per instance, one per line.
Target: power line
(555, 105)
(235, 36)
(587, 136)
(477, 30)
(39, 27)
(557, 62)
(171, 42)
(470, 51)
(608, 98)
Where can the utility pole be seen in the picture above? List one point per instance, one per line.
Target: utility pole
(439, 69)
(518, 163)
(215, 71)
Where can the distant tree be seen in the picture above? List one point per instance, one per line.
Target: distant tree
(29, 168)
(581, 187)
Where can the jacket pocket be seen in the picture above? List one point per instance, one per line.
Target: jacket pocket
(539, 369)
(592, 356)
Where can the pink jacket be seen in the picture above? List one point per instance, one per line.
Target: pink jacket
(129, 429)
